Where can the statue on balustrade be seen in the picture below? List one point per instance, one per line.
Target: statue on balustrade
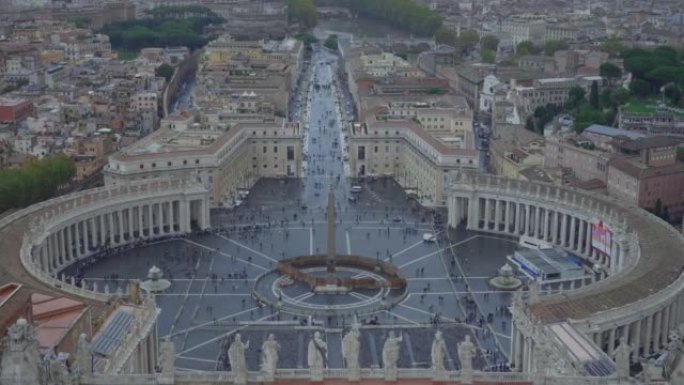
(236, 356)
(621, 357)
(438, 352)
(675, 348)
(466, 353)
(350, 352)
(317, 352)
(270, 353)
(168, 356)
(390, 355)
(21, 363)
(83, 359)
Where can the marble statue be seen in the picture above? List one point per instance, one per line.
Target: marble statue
(270, 353)
(466, 352)
(317, 352)
(236, 356)
(541, 358)
(621, 357)
(57, 371)
(438, 351)
(316, 356)
(390, 355)
(83, 358)
(675, 348)
(20, 360)
(168, 356)
(350, 353)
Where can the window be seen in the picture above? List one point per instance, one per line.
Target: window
(264, 149)
(375, 149)
(154, 165)
(185, 162)
(142, 166)
(168, 164)
(290, 152)
(196, 161)
(275, 149)
(361, 153)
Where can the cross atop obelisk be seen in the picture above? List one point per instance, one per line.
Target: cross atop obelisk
(330, 265)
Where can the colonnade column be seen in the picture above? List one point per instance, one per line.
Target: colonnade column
(636, 338)
(647, 335)
(509, 215)
(587, 239)
(666, 326)
(573, 225)
(150, 220)
(172, 219)
(160, 218)
(528, 222)
(70, 244)
(110, 229)
(497, 214)
(564, 229)
(487, 213)
(546, 224)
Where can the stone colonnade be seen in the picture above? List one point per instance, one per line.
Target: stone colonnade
(82, 234)
(564, 218)
(544, 221)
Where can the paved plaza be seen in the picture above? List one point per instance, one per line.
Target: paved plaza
(213, 274)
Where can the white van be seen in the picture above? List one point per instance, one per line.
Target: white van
(356, 189)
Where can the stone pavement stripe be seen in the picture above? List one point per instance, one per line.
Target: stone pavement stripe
(404, 250)
(402, 317)
(248, 248)
(224, 254)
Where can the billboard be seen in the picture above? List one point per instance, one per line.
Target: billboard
(601, 237)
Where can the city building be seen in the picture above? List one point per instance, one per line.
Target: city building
(227, 163)
(15, 110)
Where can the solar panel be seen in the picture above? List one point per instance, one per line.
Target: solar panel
(113, 334)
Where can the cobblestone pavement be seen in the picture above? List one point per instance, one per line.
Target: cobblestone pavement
(213, 274)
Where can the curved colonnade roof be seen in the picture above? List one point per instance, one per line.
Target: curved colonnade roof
(660, 264)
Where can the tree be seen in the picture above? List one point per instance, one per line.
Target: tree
(489, 42)
(640, 88)
(552, 46)
(164, 70)
(586, 116)
(307, 38)
(620, 96)
(612, 46)
(39, 180)
(467, 40)
(594, 95)
(302, 12)
(672, 93)
(488, 56)
(611, 72)
(576, 97)
(331, 42)
(405, 14)
(525, 48)
(606, 98)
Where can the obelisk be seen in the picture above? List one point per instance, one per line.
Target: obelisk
(330, 257)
